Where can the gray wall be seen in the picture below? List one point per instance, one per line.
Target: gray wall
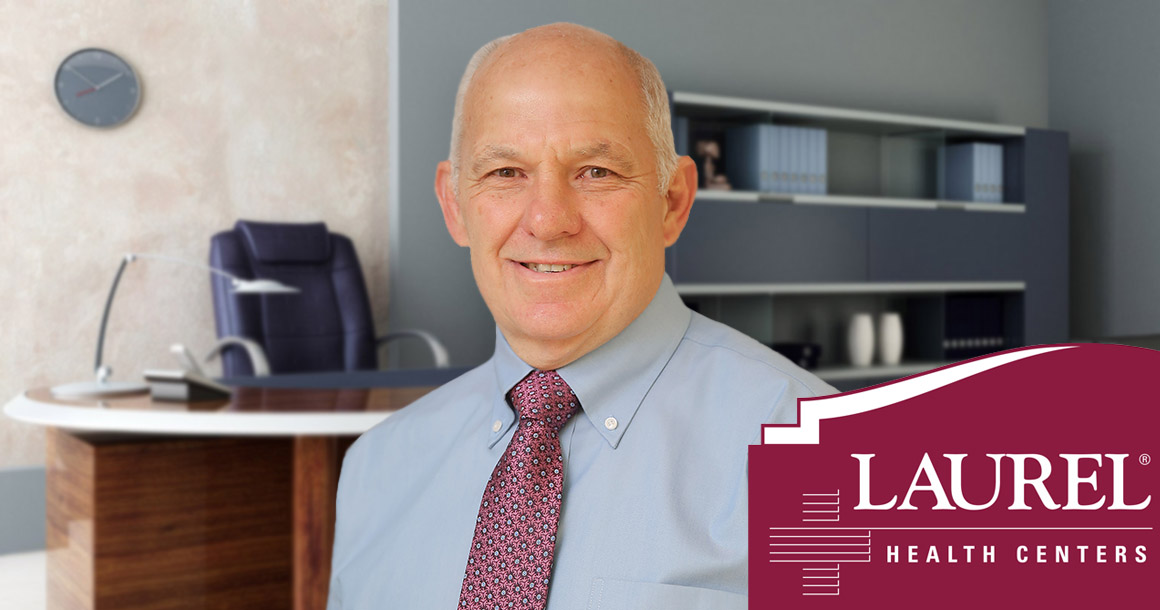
(983, 60)
(21, 509)
(1105, 91)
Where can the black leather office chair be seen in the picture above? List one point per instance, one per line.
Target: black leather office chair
(327, 326)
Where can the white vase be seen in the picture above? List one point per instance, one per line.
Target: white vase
(890, 338)
(860, 339)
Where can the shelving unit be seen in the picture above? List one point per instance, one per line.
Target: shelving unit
(716, 106)
(791, 266)
(853, 201)
(839, 374)
(689, 290)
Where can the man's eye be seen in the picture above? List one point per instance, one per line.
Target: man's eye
(506, 172)
(598, 172)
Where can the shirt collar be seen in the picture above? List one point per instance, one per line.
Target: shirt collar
(612, 380)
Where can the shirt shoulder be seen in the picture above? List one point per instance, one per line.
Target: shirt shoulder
(736, 382)
(752, 358)
(438, 417)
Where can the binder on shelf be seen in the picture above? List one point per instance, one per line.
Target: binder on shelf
(941, 173)
(818, 159)
(811, 155)
(988, 173)
(777, 159)
(989, 156)
(997, 172)
(972, 171)
(781, 161)
(823, 157)
(791, 160)
(811, 159)
(978, 173)
(992, 173)
(798, 163)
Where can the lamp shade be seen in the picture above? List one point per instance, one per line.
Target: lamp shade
(262, 286)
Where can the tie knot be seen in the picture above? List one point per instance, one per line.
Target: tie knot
(543, 396)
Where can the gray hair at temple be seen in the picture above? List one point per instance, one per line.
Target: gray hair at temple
(656, 98)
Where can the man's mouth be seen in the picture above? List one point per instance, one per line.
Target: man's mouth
(547, 267)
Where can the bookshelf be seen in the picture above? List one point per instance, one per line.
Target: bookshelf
(858, 201)
(884, 236)
(840, 374)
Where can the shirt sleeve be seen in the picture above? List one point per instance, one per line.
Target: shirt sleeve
(341, 535)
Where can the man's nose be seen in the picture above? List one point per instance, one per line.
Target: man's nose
(553, 209)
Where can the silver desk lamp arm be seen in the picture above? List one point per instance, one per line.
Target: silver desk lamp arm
(103, 372)
(239, 285)
(103, 386)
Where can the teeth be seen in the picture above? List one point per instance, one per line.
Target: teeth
(546, 268)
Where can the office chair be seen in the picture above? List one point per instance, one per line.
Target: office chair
(327, 326)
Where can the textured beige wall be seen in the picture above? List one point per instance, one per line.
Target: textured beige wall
(269, 110)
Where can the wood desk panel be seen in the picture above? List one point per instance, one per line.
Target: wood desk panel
(238, 512)
(172, 523)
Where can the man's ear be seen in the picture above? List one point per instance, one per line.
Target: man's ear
(679, 199)
(452, 215)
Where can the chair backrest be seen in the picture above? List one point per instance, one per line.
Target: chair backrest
(325, 327)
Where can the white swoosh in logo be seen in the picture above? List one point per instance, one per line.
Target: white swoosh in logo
(813, 410)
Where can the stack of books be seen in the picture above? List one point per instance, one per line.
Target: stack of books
(974, 326)
(972, 171)
(776, 158)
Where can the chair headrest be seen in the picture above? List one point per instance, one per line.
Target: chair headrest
(281, 243)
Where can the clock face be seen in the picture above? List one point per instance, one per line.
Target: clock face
(97, 88)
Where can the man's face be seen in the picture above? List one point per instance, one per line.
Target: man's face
(558, 200)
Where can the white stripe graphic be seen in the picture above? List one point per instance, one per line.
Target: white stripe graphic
(816, 409)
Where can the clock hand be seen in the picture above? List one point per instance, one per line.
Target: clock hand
(74, 71)
(109, 80)
(100, 86)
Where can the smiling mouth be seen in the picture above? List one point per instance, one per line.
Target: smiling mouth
(547, 267)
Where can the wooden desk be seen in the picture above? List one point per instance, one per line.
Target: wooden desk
(197, 505)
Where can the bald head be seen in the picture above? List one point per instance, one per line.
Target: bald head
(586, 53)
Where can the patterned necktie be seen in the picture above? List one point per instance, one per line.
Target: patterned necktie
(510, 563)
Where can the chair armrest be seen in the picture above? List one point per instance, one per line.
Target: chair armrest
(438, 352)
(253, 349)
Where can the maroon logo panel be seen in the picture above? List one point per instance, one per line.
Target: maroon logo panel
(1024, 478)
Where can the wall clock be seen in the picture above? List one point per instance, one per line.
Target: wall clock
(97, 88)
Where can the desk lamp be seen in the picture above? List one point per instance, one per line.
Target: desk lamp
(103, 387)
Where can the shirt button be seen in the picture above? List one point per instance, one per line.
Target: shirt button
(496, 426)
(610, 423)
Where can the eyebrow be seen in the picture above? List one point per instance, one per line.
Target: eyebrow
(490, 154)
(602, 150)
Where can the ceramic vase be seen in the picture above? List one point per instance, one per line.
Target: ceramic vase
(890, 338)
(860, 339)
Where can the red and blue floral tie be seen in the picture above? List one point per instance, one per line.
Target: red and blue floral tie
(510, 563)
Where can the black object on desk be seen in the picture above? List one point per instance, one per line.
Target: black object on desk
(184, 386)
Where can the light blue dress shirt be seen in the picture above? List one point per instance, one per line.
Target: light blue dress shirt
(655, 489)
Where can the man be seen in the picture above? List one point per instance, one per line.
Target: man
(599, 458)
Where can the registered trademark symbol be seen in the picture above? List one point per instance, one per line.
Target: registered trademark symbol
(1145, 459)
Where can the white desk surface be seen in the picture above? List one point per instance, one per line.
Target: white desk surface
(248, 412)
